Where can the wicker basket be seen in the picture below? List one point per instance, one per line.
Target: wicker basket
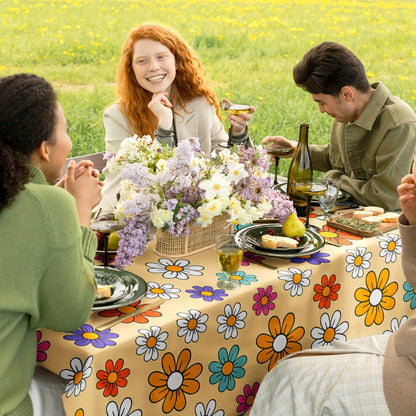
(199, 238)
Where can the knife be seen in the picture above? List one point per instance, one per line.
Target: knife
(268, 266)
(128, 315)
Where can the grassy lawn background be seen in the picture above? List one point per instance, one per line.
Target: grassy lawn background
(248, 49)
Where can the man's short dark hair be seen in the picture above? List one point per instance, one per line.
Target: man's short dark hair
(328, 67)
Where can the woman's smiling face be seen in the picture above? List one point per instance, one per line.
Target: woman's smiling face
(154, 66)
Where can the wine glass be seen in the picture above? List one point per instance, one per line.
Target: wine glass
(309, 188)
(229, 255)
(278, 150)
(106, 225)
(327, 200)
(235, 109)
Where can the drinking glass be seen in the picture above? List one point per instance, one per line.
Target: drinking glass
(229, 255)
(327, 200)
(309, 188)
(106, 225)
(235, 109)
(278, 150)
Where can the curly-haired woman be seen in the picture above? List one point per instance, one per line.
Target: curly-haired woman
(163, 92)
(47, 273)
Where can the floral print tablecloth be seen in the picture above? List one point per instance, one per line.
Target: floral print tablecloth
(204, 351)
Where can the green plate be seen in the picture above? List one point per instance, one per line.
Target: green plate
(256, 233)
(137, 287)
(314, 244)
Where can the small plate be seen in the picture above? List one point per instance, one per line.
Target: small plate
(120, 287)
(315, 245)
(137, 287)
(256, 234)
(342, 195)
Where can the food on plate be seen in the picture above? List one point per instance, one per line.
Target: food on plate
(293, 226)
(375, 210)
(389, 217)
(103, 291)
(362, 214)
(275, 241)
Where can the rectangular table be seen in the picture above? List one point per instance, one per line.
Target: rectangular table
(204, 348)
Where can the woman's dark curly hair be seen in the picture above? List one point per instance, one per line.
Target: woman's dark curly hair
(27, 118)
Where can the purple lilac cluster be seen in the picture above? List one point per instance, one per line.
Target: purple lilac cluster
(133, 240)
(256, 188)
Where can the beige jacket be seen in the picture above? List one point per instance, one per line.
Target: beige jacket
(399, 370)
(200, 120)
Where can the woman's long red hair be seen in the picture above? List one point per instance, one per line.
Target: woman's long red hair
(191, 79)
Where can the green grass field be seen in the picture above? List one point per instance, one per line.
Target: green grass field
(248, 49)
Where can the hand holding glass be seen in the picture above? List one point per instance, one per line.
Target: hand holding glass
(229, 255)
(327, 200)
(235, 109)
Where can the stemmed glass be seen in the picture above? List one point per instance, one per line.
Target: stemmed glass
(229, 255)
(235, 109)
(278, 150)
(309, 188)
(106, 225)
(327, 200)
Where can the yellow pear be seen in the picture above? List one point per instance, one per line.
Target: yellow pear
(113, 240)
(293, 226)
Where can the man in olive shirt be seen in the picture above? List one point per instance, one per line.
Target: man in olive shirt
(373, 135)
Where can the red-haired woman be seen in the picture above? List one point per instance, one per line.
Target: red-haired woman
(163, 92)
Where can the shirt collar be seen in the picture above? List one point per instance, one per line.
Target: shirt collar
(372, 109)
(37, 176)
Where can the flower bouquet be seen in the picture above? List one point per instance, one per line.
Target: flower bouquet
(175, 189)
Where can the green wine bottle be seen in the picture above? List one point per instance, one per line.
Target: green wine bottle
(300, 168)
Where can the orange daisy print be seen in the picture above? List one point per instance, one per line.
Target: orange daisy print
(113, 378)
(338, 236)
(326, 291)
(280, 342)
(139, 318)
(177, 380)
(375, 298)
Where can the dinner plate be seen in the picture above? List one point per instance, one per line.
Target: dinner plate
(120, 287)
(315, 244)
(342, 195)
(137, 287)
(257, 232)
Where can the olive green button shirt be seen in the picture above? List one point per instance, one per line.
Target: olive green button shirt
(371, 155)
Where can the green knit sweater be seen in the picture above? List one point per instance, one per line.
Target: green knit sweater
(47, 281)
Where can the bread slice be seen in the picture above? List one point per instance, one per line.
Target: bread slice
(361, 214)
(390, 217)
(372, 219)
(375, 210)
(103, 292)
(276, 241)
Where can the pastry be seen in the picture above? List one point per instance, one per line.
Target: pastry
(361, 214)
(375, 210)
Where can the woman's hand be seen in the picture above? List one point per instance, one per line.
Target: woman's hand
(239, 123)
(407, 195)
(80, 168)
(83, 184)
(282, 141)
(161, 107)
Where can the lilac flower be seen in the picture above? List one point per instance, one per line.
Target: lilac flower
(86, 335)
